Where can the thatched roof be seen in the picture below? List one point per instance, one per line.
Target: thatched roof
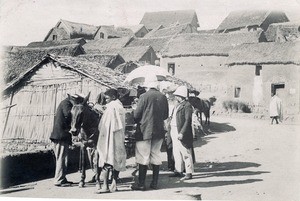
(93, 70)
(135, 28)
(152, 20)
(265, 53)
(79, 41)
(127, 67)
(19, 59)
(243, 18)
(115, 32)
(171, 31)
(207, 44)
(103, 45)
(287, 31)
(103, 59)
(131, 53)
(156, 43)
(75, 30)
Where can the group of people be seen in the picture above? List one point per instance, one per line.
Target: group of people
(155, 118)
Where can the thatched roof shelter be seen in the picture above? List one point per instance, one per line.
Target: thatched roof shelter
(152, 20)
(52, 43)
(91, 69)
(102, 45)
(156, 43)
(208, 44)
(246, 18)
(74, 30)
(115, 32)
(279, 32)
(265, 53)
(127, 67)
(19, 59)
(135, 28)
(172, 30)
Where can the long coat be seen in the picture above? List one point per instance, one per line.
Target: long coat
(152, 109)
(62, 123)
(184, 123)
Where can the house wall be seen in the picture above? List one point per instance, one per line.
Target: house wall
(37, 101)
(205, 73)
(149, 57)
(141, 33)
(258, 88)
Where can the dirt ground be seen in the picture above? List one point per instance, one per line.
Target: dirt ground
(240, 159)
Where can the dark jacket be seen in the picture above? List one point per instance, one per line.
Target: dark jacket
(152, 109)
(184, 123)
(62, 122)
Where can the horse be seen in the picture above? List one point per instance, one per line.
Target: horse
(84, 125)
(202, 106)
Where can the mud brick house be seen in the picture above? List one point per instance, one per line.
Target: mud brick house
(152, 20)
(250, 20)
(281, 32)
(69, 30)
(139, 30)
(256, 70)
(32, 97)
(200, 58)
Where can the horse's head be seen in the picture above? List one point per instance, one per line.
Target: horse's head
(77, 113)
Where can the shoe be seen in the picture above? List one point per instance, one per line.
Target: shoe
(186, 177)
(136, 187)
(102, 190)
(176, 174)
(64, 184)
(153, 186)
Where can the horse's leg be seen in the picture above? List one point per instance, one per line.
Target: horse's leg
(98, 169)
(83, 165)
(201, 118)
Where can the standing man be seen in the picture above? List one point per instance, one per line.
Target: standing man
(151, 111)
(275, 108)
(182, 135)
(62, 138)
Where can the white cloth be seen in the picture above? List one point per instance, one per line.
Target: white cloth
(276, 107)
(111, 139)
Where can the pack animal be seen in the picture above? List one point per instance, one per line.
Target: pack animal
(84, 125)
(201, 106)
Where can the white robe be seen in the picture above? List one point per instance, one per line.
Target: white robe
(276, 107)
(111, 139)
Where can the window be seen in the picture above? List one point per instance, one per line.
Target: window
(274, 87)
(101, 35)
(257, 70)
(54, 37)
(171, 68)
(237, 92)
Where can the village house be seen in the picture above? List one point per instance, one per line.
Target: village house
(250, 20)
(98, 46)
(139, 30)
(107, 60)
(51, 43)
(152, 20)
(201, 58)
(107, 32)
(258, 69)
(32, 98)
(69, 30)
(282, 32)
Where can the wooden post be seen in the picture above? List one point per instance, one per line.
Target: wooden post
(8, 112)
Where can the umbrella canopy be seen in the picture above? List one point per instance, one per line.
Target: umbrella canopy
(137, 76)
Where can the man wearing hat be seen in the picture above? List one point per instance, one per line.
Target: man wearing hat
(62, 138)
(182, 135)
(151, 111)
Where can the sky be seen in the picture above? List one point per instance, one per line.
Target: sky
(25, 21)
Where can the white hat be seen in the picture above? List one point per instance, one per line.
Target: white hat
(181, 91)
(151, 81)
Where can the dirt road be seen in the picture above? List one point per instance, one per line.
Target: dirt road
(241, 159)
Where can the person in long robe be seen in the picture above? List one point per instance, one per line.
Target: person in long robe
(111, 147)
(275, 108)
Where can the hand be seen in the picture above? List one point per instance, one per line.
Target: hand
(180, 136)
